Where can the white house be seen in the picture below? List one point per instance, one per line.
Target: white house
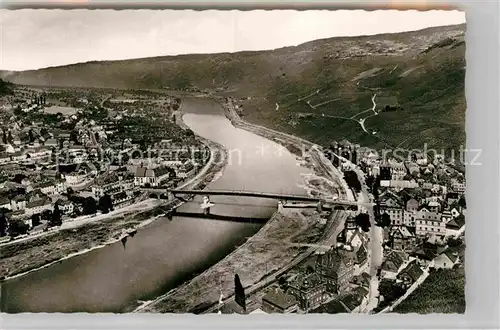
(186, 170)
(18, 156)
(447, 259)
(430, 223)
(409, 217)
(457, 186)
(38, 206)
(153, 177)
(66, 207)
(48, 188)
(39, 153)
(74, 179)
(61, 187)
(18, 203)
(51, 143)
(398, 171)
(144, 176)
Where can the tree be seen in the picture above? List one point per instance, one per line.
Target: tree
(175, 106)
(454, 242)
(47, 215)
(105, 203)
(239, 292)
(363, 221)
(390, 290)
(56, 217)
(385, 220)
(3, 223)
(31, 135)
(282, 282)
(17, 227)
(461, 202)
(35, 220)
(73, 137)
(89, 206)
(18, 178)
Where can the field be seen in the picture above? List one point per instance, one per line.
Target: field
(442, 292)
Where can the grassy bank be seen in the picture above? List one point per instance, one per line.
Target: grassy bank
(442, 292)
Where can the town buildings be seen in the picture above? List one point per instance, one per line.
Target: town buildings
(151, 177)
(430, 223)
(309, 290)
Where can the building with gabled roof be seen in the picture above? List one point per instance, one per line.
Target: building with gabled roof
(410, 274)
(336, 267)
(402, 238)
(392, 264)
(430, 224)
(308, 289)
(446, 259)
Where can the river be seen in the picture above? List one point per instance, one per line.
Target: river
(166, 253)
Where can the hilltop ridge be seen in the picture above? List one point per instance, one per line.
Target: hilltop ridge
(314, 89)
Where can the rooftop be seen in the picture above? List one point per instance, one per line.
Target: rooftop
(142, 172)
(306, 282)
(413, 270)
(280, 299)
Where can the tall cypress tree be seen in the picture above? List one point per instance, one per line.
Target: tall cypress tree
(239, 292)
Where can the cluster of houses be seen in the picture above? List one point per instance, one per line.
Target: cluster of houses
(425, 204)
(46, 164)
(426, 207)
(337, 275)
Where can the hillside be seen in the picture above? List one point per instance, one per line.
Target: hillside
(316, 88)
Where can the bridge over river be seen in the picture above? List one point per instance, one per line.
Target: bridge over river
(284, 198)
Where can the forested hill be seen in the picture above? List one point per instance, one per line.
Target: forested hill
(319, 90)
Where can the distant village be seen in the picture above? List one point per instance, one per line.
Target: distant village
(67, 155)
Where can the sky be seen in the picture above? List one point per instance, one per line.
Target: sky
(33, 39)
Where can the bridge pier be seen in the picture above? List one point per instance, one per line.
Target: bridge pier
(319, 206)
(206, 205)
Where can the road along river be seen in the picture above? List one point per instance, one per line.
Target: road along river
(164, 254)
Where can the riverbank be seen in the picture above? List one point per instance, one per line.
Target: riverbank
(33, 253)
(40, 252)
(263, 254)
(301, 148)
(294, 144)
